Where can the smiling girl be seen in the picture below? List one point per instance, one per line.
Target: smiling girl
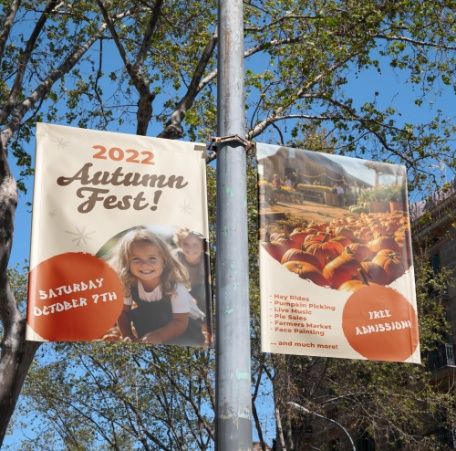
(156, 284)
(190, 252)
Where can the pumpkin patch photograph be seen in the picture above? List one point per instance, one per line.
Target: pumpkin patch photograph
(369, 247)
(338, 225)
(346, 218)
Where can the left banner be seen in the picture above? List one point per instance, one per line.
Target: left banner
(119, 239)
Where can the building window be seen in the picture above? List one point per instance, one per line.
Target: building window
(435, 263)
(449, 350)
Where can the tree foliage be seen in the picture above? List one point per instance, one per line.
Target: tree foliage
(97, 396)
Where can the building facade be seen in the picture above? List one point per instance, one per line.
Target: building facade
(434, 226)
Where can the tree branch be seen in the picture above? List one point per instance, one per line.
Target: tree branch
(151, 26)
(171, 379)
(249, 52)
(119, 395)
(305, 410)
(282, 19)
(173, 128)
(27, 53)
(273, 43)
(43, 89)
(272, 120)
(368, 124)
(16, 356)
(139, 80)
(66, 403)
(5, 26)
(254, 409)
(97, 80)
(280, 431)
(300, 93)
(115, 36)
(393, 37)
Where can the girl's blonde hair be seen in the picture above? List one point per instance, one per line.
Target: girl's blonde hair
(173, 271)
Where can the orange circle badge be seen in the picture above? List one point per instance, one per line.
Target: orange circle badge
(380, 324)
(73, 297)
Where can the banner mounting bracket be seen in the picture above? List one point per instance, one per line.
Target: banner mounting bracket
(215, 142)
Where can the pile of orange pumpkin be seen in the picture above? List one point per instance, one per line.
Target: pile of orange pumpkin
(347, 253)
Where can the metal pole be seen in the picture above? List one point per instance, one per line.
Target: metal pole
(233, 386)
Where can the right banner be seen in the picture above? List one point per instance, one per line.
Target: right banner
(336, 267)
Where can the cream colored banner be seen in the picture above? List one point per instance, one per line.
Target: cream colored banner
(336, 268)
(103, 203)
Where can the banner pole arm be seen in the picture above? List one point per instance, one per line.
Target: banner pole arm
(233, 374)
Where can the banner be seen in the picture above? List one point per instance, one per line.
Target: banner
(119, 239)
(336, 269)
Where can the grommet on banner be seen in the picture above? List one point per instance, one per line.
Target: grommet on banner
(205, 153)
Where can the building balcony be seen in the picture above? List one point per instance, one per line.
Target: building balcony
(436, 213)
(442, 357)
(442, 362)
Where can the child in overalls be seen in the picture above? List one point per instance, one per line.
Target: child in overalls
(156, 283)
(191, 253)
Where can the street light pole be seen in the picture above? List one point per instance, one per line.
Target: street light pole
(233, 381)
(305, 410)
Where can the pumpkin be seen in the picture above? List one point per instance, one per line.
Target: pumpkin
(307, 271)
(341, 269)
(346, 232)
(321, 227)
(378, 230)
(277, 248)
(325, 250)
(363, 235)
(358, 251)
(273, 249)
(383, 242)
(391, 262)
(319, 236)
(354, 285)
(112, 334)
(276, 236)
(390, 227)
(294, 266)
(286, 243)
(374, 273)
(300, 255)
(342, 240)
(298, 237)
(402, 236)
(312, 230)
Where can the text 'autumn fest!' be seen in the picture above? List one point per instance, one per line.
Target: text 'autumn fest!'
(118, 177)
